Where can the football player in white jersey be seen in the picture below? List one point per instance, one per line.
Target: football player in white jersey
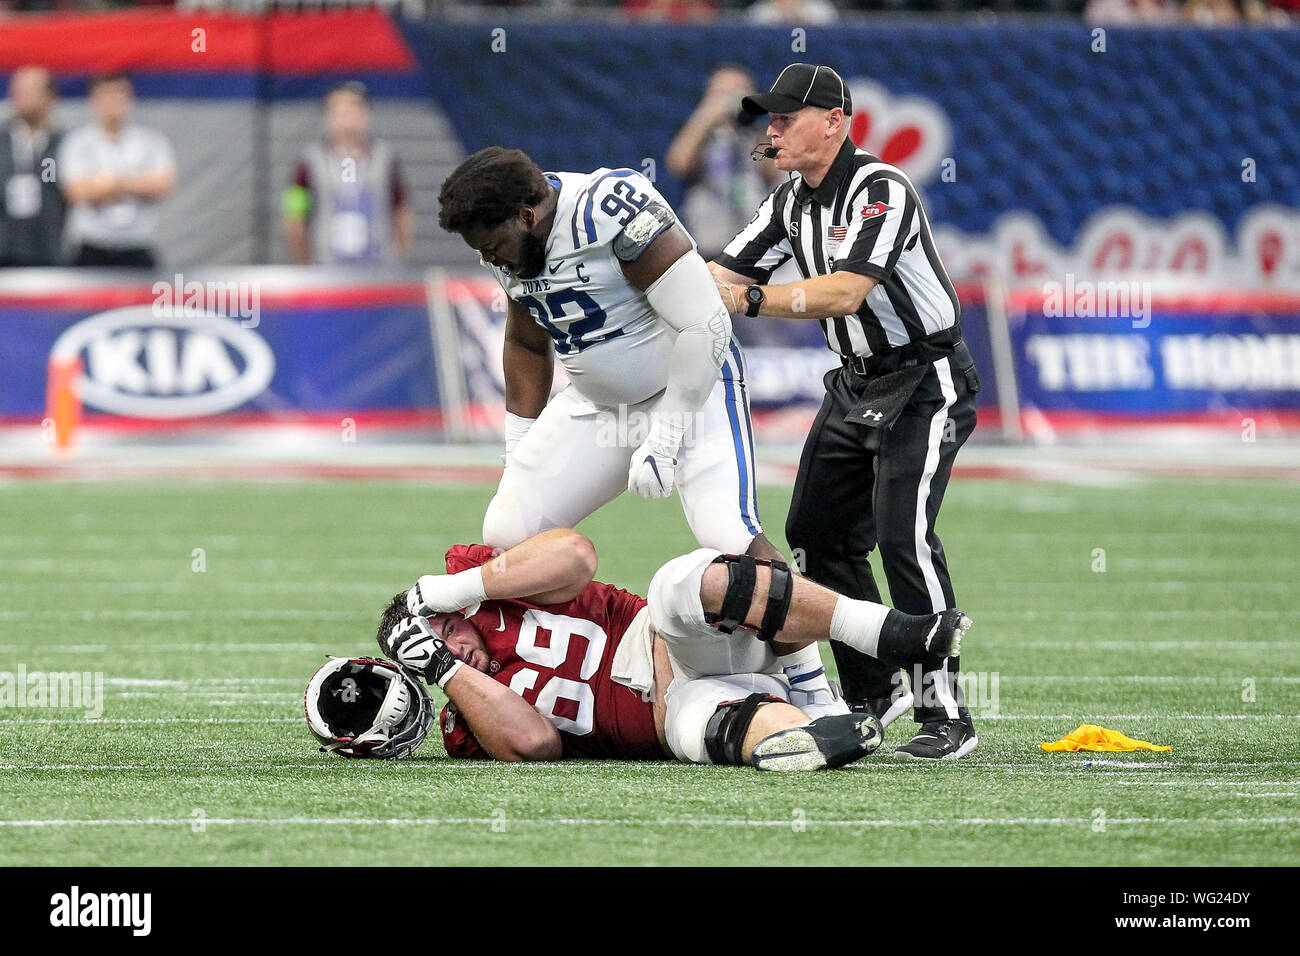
(599, 272)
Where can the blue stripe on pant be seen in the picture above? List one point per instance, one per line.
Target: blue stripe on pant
(736, 407)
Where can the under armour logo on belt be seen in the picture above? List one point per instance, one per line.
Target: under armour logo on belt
(872, 414)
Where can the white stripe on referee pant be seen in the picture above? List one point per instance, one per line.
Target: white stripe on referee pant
(924, 557)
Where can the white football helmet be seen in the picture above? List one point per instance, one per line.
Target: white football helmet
(367, 707)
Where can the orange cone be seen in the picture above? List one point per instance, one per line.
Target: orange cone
(63, 400)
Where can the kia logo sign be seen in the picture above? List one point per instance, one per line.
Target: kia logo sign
(144, 362)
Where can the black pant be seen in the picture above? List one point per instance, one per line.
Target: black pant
(138, 258)
(851, 497)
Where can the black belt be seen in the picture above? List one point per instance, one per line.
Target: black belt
(921, 352)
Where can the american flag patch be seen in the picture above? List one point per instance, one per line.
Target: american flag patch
(836, 233)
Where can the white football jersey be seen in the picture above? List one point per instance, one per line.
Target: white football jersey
(613, 345)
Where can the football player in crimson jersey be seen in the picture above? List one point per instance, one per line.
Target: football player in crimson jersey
(542, 662)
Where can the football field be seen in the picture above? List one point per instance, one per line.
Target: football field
(1165, 609)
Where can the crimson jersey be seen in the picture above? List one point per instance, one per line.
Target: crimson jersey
(558, 658)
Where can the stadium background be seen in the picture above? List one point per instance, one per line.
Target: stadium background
(363, 437)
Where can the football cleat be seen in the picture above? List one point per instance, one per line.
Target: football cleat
(885, 709)
(825, 743)
(948, 739)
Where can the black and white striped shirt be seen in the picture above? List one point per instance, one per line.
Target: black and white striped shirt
(864, 217)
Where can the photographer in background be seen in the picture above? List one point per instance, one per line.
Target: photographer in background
(711, 155)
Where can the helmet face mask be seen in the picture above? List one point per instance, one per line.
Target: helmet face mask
(367, 707)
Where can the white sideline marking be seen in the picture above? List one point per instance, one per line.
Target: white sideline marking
(443, 767)
(681, 822)
(1096, 717)
(1205, 783)
(1096, 614)
(152, 720)
(1287, 794)
(216, 683)
(212, 694)
(279, 720)
(1170, 584)
(186, 648)
(244, 614)
(1218, 644)
(1151, 765)
(1226, 644)
(1145, 678)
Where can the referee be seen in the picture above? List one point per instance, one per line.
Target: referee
(876, 463)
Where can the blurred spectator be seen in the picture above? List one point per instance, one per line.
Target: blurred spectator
(807, 12)
(114, 174)
(1219, 13)
(1125, 12)
(711, 154)
(1212, 13)
(31, 223)
(675, 11)
(348, 201)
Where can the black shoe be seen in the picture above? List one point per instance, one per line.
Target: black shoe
(948, 739)
(825, 743)
(885, 709)
(925, 639)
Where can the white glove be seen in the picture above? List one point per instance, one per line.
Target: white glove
(440, 593)
(654, 464)
(516, 428)
(651, 473)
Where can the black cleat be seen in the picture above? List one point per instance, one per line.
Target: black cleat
(926, 639)
(885, 709)
(825, 743)
(948, 739)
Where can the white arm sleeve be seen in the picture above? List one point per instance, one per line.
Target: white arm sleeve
(686, 297)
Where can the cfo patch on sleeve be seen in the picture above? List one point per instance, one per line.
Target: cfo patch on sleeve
(641, 230)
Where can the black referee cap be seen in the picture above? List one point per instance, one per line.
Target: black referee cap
(800, 85)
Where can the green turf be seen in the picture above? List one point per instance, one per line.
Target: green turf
(202, 731)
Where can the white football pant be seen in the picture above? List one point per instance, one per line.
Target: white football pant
(575, 459)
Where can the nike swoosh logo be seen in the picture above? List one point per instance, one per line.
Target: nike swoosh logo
(933, 631)
(502, 617)
(655, 468)
(554, 269)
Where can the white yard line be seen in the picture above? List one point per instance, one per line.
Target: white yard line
(1204, 783)
(152, 614)
(152, 720)
(1145, 678)
(1219, 645)
(195, 822)
(1286, 794)
(277, 720)
(1094, 718)
(186, 648)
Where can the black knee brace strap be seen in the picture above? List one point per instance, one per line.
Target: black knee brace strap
(741, 576)
(724, 734)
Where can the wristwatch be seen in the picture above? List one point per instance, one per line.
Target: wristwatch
(754, 296)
